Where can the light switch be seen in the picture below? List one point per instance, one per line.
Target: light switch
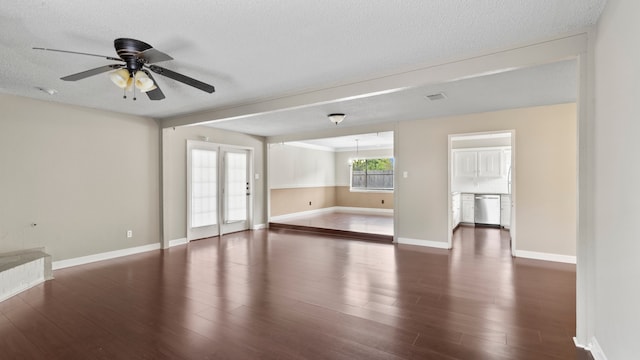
(257, 176)
(405, 174)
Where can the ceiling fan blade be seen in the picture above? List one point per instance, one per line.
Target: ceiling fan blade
(155, 94)
(79, 53)
(182, 78)
(96, 71)
(152, 56)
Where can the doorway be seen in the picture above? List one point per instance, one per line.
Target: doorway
(482, 182)
(342, 184)
(218, 189)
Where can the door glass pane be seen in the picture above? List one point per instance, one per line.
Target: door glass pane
(204, 188)
(236, 187)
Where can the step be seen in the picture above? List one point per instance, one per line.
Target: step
(22, 270)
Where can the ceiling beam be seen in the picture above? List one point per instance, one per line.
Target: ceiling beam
(557, 49)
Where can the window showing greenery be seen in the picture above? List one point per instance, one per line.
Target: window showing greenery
(372, 174)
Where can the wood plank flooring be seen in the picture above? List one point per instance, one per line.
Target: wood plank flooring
(291, 295)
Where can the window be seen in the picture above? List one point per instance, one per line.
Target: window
(372, 174)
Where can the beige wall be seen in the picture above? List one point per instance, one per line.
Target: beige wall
(292, 200)
(174, 150)
(83, 176)
(374, 200)
(545, 147)
(616, 245)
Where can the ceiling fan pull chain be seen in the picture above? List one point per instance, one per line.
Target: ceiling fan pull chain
(124, 93)
(134, 86)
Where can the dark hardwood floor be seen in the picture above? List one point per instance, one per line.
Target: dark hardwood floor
(291, 295)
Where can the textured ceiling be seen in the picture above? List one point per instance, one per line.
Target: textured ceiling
(542, 85)
(257, 50)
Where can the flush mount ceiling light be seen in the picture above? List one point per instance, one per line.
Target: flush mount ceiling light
(336, 118)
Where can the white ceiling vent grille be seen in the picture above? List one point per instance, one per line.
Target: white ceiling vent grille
(438, 96)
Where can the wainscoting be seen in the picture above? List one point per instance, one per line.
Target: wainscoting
(293, 200)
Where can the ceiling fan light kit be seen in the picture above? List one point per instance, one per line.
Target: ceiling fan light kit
(120, 77)
(136, 58)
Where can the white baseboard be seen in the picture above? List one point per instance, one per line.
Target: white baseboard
(420, 242)
(596, 350)
(546, 256)
(593, 347)
(259, 226)
(360, 210)
(61, 264)
(177, 242)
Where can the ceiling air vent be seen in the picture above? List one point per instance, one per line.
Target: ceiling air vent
(438, 96)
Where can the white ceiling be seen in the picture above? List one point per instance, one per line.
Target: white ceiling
(542, 85)
(369, 141)
(253, 51)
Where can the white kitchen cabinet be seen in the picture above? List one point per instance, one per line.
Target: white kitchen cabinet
(472, 163)
(489, 162)
(465, 163)
(506, 161)
(456, 210)
(468, 208)
(505, 211)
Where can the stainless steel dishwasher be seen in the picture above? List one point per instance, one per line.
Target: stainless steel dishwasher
(487, 209)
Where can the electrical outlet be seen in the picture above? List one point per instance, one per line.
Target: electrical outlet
(129, 233)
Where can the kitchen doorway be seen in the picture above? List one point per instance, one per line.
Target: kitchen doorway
(482, 175)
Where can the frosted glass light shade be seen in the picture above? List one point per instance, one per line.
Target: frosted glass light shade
(120, 77)
(129, 86)
(336, 118)
(149, 89)
(143, 81)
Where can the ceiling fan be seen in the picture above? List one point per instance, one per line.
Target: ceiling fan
(136, 59)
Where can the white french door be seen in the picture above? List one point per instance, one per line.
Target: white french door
(235, 190)
(218, 189)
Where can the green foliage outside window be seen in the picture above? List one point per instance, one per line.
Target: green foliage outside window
(372, 174)
(373, 164)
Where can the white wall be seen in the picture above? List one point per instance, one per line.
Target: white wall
(545, 146)
(174, 142)
(83, 176)
(294, 167)
(617, 180)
